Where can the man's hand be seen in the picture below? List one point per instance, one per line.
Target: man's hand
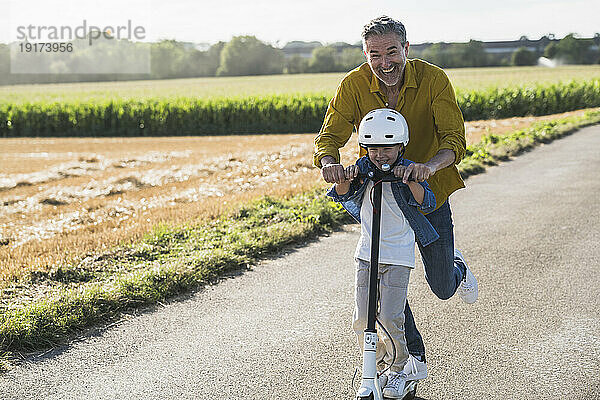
(398, 171)
(419, 172)
(332, 171)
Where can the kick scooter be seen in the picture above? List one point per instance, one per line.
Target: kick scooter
(370, 388)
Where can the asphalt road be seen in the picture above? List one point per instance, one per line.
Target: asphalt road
(530, 231)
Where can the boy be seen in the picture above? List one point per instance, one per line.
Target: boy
(384, 133)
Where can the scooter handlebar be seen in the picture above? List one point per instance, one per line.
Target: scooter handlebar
(381, 176)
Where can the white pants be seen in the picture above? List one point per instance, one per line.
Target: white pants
(393, 288)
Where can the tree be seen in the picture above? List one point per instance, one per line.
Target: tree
(323, 60)
(597, 43)
(351, 58)
(296, 64)
(246, 55)
(474, 54)
(450, 55)
(203, 63)
(213, 56)
(437, 54)
(4, 64)
(572, 49)
(551, 50)
(522, 56)
(166, 57)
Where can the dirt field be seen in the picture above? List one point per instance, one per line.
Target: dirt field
(62, 198)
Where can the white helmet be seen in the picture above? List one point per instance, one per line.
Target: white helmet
(382, 127)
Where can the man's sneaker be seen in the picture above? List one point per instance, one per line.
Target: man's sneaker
(395, 385)
(468, 289)
(383, 378)
(415, 369)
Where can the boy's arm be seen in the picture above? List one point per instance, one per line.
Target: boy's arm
(342, 188)
(428, 202)
(422, 196)
(341, 192)
(417, 191)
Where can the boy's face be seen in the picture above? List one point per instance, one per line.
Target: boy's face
(384, 155)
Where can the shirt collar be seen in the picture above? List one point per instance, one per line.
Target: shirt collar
(410, 80)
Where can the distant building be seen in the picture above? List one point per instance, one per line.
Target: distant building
(304, 49)
(502, 47)
(299, 48)
(536, 46)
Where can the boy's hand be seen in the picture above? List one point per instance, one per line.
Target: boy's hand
(351, 172)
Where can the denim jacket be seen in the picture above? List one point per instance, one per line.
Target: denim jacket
(352, 201)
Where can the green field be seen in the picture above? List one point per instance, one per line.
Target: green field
(464, 79)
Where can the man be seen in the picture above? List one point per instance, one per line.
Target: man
(423, 94)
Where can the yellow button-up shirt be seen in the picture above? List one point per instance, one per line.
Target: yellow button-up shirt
(427, 102)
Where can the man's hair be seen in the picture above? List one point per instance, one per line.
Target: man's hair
(382, 25)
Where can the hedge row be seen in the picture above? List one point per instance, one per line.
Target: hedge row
(531, 100)
(276, 114)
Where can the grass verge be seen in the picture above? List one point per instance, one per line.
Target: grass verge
(173, 260)
(493, 149)
(167, 262)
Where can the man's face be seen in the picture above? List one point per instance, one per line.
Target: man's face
(384, 155)
(386, 57)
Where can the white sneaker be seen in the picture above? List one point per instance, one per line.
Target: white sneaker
(383, 378)
(414, 369)
(468, 289)
(395, 385)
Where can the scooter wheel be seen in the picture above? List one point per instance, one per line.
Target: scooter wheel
(369, 397)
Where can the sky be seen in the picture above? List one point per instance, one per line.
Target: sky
(278, 22)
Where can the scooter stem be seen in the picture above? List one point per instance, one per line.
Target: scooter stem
(370, 383)
(374, 267)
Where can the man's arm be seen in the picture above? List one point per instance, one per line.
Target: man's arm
(443, 159)
(450, 130)
(337, 128)
(421, 172)
(449, 122)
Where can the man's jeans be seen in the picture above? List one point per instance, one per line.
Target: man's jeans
(441, 273)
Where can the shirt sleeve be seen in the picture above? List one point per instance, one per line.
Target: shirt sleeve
(449, 123)
(338, 125)
(429, 203)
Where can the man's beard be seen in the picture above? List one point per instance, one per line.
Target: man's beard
(393, 77)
